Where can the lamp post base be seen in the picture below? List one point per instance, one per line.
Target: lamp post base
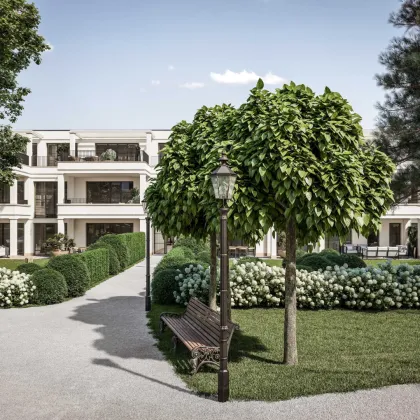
(148, 303)
(223, 388)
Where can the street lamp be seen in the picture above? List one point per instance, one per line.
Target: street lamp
(148, 302)
(223, 179)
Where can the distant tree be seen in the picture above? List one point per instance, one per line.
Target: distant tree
(310, 173)
(20, 45)
(398, 128)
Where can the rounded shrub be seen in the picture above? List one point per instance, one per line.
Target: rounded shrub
(244, 260)
(204, 257)
(175, 258)
(28, 268)
(114, 264)
(74, 271)
(193, 244)
(163, 286)
(353, 261)
(51, 287)
(329, 251)
(335, 259)
(315, 261)
(120, 247)
(304, 267)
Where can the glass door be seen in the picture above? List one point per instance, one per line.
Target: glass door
(394, 234)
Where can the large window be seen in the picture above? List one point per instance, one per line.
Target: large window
(124, 151)
(108, 192)
(46, 199)
(95, 230)
(43, 231)
(4, 193)
(394, 234)
(5, 234)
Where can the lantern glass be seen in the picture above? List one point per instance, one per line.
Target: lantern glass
(223, 180)
(144, 204)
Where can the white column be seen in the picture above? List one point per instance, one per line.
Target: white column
(418, 236)
(60, 226)
(143, 225)
(13, 193)
(148, 143)
(272, 243)
(29, 150)
(321, 244)
(72, 144)
(70, 187)
(60, 189)
(29, 238)
(13, 237)
(142, 186)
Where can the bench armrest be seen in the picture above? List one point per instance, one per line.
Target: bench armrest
(170, 315)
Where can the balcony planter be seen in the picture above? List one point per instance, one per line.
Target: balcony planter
(109, 154)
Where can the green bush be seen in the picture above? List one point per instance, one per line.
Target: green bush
(114, 264)
(244, 260)
(136, 246)
(204, 257)
(97, 262)
(175, 258)
(193, 244)
(28, 268)
(329, 251)
(120, 247)
(51, 287)
(315, 261)
(74, 270)
(304, 267)
(353, 261)
(163, 286)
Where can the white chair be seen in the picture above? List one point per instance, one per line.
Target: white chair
(393, 252)
(402, 251)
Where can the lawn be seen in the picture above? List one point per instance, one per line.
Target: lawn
(274, 263)
(393, 262)
(339, 351)
(12, 264)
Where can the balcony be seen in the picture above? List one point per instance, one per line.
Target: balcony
(78, 208)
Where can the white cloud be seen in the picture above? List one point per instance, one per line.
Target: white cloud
(192, 85)
(171, 67)
(245, 77)
(155, 82)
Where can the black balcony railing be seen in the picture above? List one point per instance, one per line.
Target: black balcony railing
(124, 200)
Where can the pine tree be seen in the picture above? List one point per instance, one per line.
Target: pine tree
(398, 128)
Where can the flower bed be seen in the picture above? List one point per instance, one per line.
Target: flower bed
(16, 289)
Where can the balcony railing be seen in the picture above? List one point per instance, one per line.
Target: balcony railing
(124, 200)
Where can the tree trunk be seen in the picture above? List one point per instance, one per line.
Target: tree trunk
(290, 344)
(213, 272)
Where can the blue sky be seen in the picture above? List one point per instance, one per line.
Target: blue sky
(152, 63)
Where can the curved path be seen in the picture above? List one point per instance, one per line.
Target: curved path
(93, 358)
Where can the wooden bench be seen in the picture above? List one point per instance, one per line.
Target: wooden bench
(199, 329)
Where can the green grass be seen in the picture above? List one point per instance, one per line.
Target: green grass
(393, 262)
(12, 264)
(274, 263)
(338, 351)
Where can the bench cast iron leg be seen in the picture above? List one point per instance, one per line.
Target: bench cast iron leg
(174, 343)
(194, 363)
(162, 326)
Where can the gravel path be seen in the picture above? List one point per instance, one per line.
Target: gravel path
(93, 358)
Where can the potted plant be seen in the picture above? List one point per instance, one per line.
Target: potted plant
(59, 244)
(109, 154)
(135, 196)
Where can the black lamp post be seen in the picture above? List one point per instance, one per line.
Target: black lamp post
(148, 301)
(223, 180)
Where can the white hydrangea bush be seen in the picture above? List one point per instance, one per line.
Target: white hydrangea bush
(16, 289)
(193, 281)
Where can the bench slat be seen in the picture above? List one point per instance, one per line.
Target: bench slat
(186, 335)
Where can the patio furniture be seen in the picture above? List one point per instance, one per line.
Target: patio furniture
(381, 252)
(350, 249)
(198, 328)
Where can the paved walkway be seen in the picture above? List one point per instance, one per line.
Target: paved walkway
(93, 358)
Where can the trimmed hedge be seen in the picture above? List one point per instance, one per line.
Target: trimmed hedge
(193, 244)
(28, 268)
(175, 258)
(204, 256)
(316, 261)
(353, 261)
(97, 263)
(164, 285)
(136, 246)
(74, 270)
(51, 286)
(329, 251)
(120, 246)
(114, 266)
(304, 267)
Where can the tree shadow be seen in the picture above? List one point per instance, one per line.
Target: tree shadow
(123, 330)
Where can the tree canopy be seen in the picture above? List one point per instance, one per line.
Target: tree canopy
(398, 128)
(20, 45)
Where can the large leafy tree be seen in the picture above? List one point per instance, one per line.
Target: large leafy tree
(398, 129)
(310, 173)
(20, 45)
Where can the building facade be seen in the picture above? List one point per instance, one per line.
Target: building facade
(86, 183)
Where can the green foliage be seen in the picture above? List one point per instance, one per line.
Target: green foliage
(74, 271)
(120, 246)
(114, 264)
(195, 245)
(329, 251)
(244, 260)
(59, 241)
(97, 263)
(51, 286)
(300, 253)
(353, 261)
(204, 257)
(28, 268)
(163, 286)
(304, 267)
(20, 46)
(136, 246)
(175, 258)
(398, 125)
(315, 261)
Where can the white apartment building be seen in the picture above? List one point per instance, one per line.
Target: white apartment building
(65, 186)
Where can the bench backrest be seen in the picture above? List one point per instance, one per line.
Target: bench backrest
(207, 320)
